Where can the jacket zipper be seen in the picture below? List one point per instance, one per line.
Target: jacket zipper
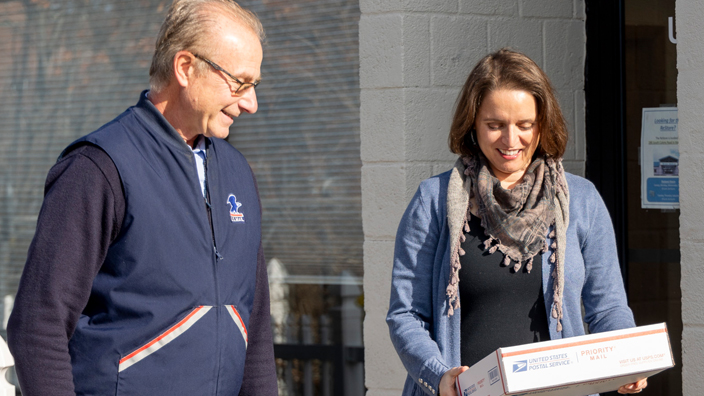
(218, 257)
(209, 208)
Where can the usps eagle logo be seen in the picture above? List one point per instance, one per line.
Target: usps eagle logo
(520, 366)
(235, 214)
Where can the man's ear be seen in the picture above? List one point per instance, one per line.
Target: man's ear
(184, 67)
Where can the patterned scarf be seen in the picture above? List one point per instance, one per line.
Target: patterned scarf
(516, 221)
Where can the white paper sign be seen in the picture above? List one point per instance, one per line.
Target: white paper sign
(660, 156)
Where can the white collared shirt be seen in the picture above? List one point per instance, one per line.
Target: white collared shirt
(199, 155)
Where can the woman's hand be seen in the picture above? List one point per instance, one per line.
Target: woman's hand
(635, 387)
(447, 382)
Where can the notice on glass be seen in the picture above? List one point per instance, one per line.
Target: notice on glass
(660, 156)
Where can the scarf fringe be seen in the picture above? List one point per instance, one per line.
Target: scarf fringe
(529, 265)
(559, 233)
(452, 290)
(507, 261)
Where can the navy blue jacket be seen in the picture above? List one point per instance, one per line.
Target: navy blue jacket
(169, 310)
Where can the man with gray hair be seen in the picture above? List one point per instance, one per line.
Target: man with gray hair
(146, 274)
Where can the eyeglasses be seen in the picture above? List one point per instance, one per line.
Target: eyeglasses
(241, 85)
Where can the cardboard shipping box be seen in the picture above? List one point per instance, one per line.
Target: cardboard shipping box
(574, 366)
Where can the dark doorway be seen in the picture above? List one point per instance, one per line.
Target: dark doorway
(631, 65)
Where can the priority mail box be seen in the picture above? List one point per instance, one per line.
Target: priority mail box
(574, 366)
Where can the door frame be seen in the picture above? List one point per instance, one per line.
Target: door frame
(605, 97)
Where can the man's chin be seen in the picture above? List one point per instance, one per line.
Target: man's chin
(220, 132)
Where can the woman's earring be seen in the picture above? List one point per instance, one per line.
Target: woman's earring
(473, 136)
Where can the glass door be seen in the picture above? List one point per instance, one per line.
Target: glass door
(631, 66)
(652, 234)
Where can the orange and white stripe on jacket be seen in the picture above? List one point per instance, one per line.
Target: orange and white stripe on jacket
(164, 338)
(238, 321)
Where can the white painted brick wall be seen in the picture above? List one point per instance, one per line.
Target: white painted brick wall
(526, 34)
(457, 44)
(547, 8)
(489, 7)
(414, 58)
(690, 101)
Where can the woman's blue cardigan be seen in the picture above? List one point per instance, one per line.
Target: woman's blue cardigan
(428, 340)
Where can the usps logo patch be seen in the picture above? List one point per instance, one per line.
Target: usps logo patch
(520, 366)
(235, 215)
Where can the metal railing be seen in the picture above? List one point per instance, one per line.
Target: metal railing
(311, 368)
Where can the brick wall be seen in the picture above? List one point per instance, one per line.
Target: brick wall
(690, 98)
(414, 57)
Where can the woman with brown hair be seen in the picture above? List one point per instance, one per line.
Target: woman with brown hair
(507, 235)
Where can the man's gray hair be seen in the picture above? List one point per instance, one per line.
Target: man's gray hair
(187, 27)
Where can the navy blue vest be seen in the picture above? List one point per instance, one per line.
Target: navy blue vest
(168, 313)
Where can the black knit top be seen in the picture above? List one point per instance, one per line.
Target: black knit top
(499, 307)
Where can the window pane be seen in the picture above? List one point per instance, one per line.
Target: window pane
(68, 68)
(71, 66)
(304, 141)
(303, 145)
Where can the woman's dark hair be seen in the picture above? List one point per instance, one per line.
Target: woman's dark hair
(508, 69)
